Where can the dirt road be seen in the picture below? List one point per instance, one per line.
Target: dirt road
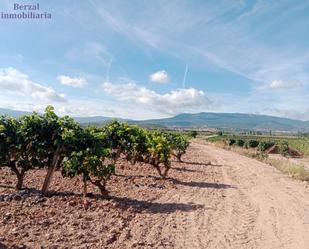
(236, 202)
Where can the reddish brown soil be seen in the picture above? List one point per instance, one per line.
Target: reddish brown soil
(64, 219)
(236, 202)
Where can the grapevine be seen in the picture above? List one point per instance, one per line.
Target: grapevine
(60, 143)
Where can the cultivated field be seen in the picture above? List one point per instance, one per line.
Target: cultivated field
(299, 143)
(214, 199)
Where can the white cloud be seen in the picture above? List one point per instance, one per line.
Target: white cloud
(279, 84)
(16, 82)
(174, 102)
(159, 77)
(72, 81)
(83, 107)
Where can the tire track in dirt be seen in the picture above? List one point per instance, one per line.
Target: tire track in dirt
(281, 203)
(232, 225)
(236, 202)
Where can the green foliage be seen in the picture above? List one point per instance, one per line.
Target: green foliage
(298, 143)
(127, 140)
(136, 146)
(251, 143)
(158, 152)
(117, 137)
(179, 144)
(230, 141)
(16, 152)
(219, 133)
(193, 134)
(48, 133)
(264, 145)
(9, 139)
(139, 145)
(283, 148)
(88, 157)
(59, 142)
(240, 142)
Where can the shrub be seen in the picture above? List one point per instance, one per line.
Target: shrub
(15, 153)
(251, 143)
(46, 140)
(193, 134)
(90, 159)
(240, 142)
(179, 144)
(117, 138)
(219, 133)
(136, 146)
(264, 145)
(47, 135)
(230, 141)
(283, 148)
(158, 152)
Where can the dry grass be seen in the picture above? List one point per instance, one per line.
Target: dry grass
(296, 171)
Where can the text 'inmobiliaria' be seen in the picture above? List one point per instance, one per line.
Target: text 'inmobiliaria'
(25, 11)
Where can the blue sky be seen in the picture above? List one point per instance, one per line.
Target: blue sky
(151, 59)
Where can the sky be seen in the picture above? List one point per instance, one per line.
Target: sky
(152, 59)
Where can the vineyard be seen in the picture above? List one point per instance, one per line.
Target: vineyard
(262, 142)
(144, 189)
(122, 186)
(60, 144)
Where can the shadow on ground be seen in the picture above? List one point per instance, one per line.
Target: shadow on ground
(188, 184)
(186, 169)
(3, 246)
(121, 202)
(203, 184)
(6, 186)
(199, 163)
(154, 207)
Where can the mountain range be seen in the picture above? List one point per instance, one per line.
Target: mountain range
(225, 121)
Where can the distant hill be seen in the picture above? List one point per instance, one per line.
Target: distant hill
(12, 113)
(226, 121)
(231, 121)
(98, 120)
(82, 120)
(93, 120)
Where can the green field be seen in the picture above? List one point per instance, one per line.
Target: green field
(301, 144)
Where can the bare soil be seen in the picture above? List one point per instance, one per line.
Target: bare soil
(214, 199)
